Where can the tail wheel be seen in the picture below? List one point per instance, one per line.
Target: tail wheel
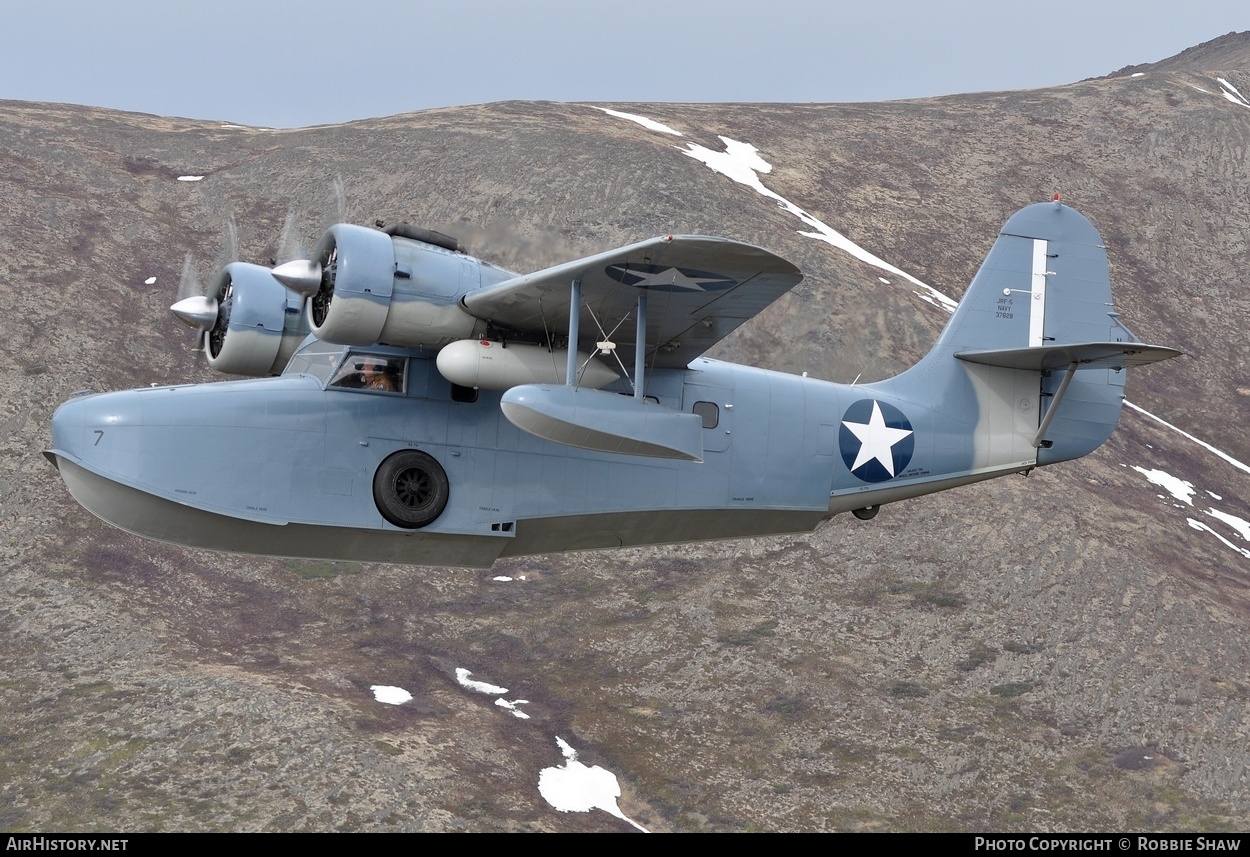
(410, 489)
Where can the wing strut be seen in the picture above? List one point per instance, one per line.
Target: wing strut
(640, 339)
(640, 345)
(602, 420)
(575, 314)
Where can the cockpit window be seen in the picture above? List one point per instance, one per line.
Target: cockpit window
(316, 358)
(371, 372)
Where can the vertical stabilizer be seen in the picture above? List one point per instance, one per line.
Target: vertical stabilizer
(1045, 281)
(1034, 354)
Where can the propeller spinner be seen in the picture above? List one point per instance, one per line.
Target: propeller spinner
(199, 311)
(299, 275)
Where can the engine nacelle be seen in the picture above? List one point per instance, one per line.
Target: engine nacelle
(259, 322)
(392, 289)
(495, 366)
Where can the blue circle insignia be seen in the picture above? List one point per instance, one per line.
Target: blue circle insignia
(876, 440)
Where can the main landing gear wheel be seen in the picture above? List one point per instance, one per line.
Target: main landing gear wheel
(410, 489)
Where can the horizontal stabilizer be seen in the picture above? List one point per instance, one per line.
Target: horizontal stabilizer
(603, 421)
(1087, 355)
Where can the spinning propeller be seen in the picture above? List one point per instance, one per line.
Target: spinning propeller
(208, 311)
(296, 271)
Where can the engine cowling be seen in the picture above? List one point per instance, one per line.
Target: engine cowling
(376, 287)
(259, 323)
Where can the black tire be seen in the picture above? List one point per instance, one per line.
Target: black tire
(867, 513)
(411, 489)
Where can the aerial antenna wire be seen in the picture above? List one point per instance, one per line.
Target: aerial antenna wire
(551, 348)
(607, 337)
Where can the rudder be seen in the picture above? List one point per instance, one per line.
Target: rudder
(1037, 337)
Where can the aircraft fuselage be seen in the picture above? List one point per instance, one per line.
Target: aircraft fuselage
(287, 465)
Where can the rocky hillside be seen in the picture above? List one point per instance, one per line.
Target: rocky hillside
(1062, 652)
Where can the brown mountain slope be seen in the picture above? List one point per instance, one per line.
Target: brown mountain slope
(1226, 52)
(1062, 652)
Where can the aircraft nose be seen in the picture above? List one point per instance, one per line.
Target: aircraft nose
(67, 428)
(80, 426)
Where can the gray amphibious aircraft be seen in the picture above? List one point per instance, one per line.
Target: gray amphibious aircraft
(432, 409)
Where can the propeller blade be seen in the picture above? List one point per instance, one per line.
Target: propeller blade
(199, 311)
(189, 282)
(289, 244)
(340, 200)
(299, 275)
(232, 240)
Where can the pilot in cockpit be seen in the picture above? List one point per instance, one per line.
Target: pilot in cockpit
(374, 375)
(370, 372)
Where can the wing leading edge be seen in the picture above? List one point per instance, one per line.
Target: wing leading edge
(699, 290)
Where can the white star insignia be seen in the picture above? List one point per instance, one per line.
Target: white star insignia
(674, 278)
(876, 440)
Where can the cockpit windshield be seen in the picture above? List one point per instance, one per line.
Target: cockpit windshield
(382, 373)
(376, 372)
(316, 358)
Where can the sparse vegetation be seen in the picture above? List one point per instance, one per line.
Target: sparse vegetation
(1023, 648)
(321, 569)
(907, 689)
(750, 636)
(1012, 689)
(978, 656)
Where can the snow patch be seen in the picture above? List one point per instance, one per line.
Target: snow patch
(502, 579)
(1198, 525)
(390, 695)
(512, 707)
(1239, 465)
(742, 163)
(1178, 488)
(462, 676)
(1240, 525)
(649, 124)
(573, 787)
(149, 281)
(190, 178)
(1231, 93)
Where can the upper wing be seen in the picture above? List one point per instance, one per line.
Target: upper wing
(700, 289)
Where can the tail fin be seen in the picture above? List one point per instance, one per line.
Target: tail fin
(1039, 342)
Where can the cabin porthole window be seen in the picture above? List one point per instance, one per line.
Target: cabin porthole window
(709, 412)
